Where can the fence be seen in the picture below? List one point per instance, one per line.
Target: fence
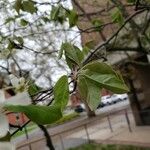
(83, 130)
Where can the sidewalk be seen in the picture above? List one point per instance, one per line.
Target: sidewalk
(139, 136)
(96, 129)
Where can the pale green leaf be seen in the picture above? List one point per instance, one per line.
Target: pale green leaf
(104, 76)
(54, 13)
(117, 16)
(61, 92)
(97, 24)
(89, 91)
(72, 52)
(38, 114)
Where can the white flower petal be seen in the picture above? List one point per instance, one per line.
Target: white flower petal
(14, 80)
(4, 126)
(19, 99)
(2, 97)
(6, 146)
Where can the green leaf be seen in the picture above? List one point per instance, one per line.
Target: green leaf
(18, 5)
(104, 76)
(24, 22)
(97, 24)
(54, 13)
(60, 52)
(131, 1)
(11, 45)
(33, 89)
(86, 50)
(29, 6)
(19, 39)
(58, 14)
(9, 19)
(62, 15)
(61, 92)
(38, 114)
(45, 19)
(70, 63)
(73, 18)
(88, 46)
(117, 16)
(89, 92)
(7, 137)
(72, 53)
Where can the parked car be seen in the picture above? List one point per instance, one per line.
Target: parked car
(124, 96)
(118, 97)
(80, 108)
(112, 99)
(115, 98)
(105, 100)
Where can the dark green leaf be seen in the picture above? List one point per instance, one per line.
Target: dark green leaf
(24, 22)
(62, 15)
(29, 6)
(70, 63)
(73, 18)
(18, 6)
(131, 1)
(73, 53)
(11, 45)
(6, 138)
(19, 39)
(58, 14)
(45, 19)
(61, 92)
(38, 114)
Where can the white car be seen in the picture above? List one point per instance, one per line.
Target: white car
(118, 97)
(106, 100)
(124, 96)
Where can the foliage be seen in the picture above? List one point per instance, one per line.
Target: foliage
(95, 76)
(46, 114)
(117, 16)
(41, 34)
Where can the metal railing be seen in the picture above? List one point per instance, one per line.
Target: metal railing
(88, 125)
